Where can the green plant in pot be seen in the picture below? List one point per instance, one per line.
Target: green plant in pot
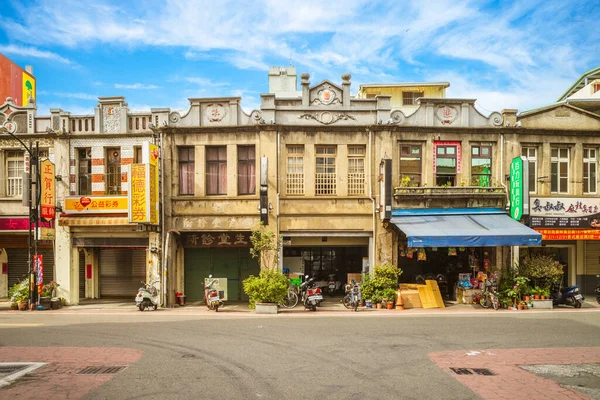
(19, 294)
(271, 285)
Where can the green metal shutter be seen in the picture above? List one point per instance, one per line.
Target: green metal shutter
(196, 268)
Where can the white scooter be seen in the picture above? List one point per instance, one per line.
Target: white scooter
(147, 296)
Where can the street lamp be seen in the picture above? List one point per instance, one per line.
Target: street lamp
(32, 202)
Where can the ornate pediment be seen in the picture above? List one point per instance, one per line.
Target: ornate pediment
(325, 94)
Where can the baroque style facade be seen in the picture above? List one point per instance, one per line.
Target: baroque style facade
(344, 180)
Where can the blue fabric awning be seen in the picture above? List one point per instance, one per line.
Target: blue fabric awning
(463, 228)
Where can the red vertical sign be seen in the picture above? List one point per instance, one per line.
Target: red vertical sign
(38, 266)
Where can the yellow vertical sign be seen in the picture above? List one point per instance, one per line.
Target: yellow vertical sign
(138, 203)
(150, 156)
(28, 88)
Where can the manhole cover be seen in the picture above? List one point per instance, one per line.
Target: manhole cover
(101, 370)
(472, 371)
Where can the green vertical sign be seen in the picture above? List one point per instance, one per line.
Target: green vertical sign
(516, 188)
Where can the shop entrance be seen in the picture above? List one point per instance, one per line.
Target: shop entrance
(120, 272)
(235, 264)
(429, 263)
(324, 263)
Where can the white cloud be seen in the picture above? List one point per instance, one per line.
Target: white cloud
(33, 53)
(135, 86)
(80, 96)
(204, 82)
(500, 51)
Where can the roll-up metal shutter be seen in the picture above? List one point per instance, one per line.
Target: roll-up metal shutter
(18, 266)
(81, 274)
(592, 258)
(121, 270)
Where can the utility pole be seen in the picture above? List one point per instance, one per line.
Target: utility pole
(31, 199)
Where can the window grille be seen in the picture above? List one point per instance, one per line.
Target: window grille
(589, 171)
(356, 170)
(15, 168)
(559, 170)
(295, 170)
(84, 171)
(530, 153)
(326, 177)
(112, 175)
(410, 98)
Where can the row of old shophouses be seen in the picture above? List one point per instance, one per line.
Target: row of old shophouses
(397, 173)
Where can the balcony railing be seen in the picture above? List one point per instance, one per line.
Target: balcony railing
(325, 184)
(356, 183)
(449, 191)
(295, 184)
(14, 187)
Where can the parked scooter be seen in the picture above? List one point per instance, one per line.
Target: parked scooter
(597, 290)
(353, 296)
(311, 296)
(569, 296)
(147, 296)
(333, 285)
(211, 295)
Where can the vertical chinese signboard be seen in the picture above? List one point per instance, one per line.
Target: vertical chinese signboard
(48, 191)
(150, 156)
(519, 188)
(138, 194)
(143, 187)
(38, 267)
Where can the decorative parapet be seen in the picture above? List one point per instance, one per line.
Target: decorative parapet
(446, 112)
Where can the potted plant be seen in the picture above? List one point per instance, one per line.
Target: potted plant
(545, 292)
(19, 294)
(270, 287)
(48, 291)
(383, 284)
(522, 305)
(536, 292)
(388, 295)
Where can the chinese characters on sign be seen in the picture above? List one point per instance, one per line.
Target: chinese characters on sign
(138, 209)
(215, 239)
(519, 188)
(95, 204)
(569, 234)
(565, 212)
(38, 267)
(48, 192)
(150, 156)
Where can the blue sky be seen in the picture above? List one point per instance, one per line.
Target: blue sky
(159, 53)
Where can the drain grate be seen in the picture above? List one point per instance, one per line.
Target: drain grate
(100, 370)
(9, 369)
(467, 371)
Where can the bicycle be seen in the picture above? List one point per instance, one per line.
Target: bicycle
(291, 299)
(489, 296)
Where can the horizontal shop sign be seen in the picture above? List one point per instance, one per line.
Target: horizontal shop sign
(569, 234)
(96, 204)
(564, 212)
(11, 224)
(215, 239)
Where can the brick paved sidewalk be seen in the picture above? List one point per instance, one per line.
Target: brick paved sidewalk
(59, 380)
(509, 381)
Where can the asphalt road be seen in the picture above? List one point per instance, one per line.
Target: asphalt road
(273, 357)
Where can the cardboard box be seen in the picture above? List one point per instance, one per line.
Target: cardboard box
(356, 277)
(411, 299)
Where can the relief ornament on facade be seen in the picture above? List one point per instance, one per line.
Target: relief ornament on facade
(326, 96)
(112, 119)
(215, 112)
(327, 117)
(446, 114)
